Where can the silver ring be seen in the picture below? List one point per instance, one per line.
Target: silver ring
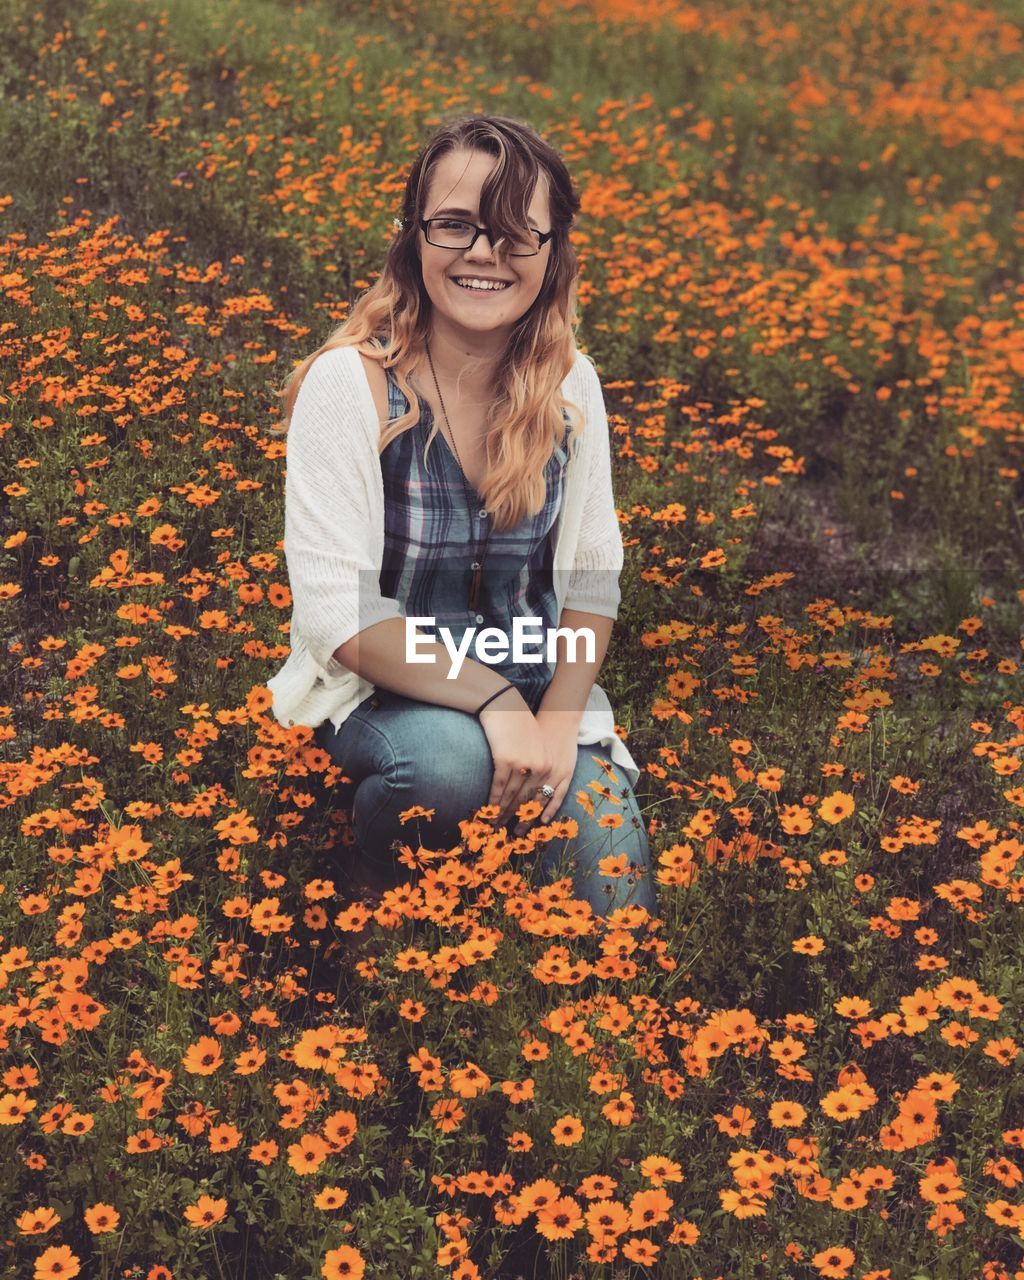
(546, 791)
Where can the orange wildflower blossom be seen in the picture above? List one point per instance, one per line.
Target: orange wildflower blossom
(519, 1090)
(536, 1194)
(641, 1250)
(308, 1154)
(56, 1263)
(206, 1212)
(343, 1263)
(37, 1221)
(468, 1081)
(448, 1115)
(204, 1057)
(648, 1208)
(658, 1170)
(597, 1187)
(559, 1219)
(619, 1111)
(606, 1219)
(328, 1198)
(836, 806)
(741, 1203)
(101, 1217)
(567, 1132)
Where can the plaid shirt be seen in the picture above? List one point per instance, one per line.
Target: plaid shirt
(434, 530)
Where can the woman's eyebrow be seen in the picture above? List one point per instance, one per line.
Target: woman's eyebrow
(463, 213)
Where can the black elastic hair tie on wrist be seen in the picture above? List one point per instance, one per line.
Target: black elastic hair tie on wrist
(491, 698)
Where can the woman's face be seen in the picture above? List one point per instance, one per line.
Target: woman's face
(454, 190)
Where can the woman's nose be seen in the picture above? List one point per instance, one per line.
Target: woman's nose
(482, 248)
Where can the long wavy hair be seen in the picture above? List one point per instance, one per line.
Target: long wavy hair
(390, 322)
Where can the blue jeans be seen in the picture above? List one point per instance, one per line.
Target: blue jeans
(400, 752)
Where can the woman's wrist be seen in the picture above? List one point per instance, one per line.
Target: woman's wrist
(493, 697)
(507, 698)
(560, 720)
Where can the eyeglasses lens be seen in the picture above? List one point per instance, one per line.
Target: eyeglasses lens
(448, 234)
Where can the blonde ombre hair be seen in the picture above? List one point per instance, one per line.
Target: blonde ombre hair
(523, 421)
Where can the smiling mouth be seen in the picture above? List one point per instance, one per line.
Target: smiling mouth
(496, 287)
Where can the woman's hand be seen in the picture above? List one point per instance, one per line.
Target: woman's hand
(562, 754)
(559, 733)
(517, 742)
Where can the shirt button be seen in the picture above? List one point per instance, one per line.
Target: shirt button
(483, 514)
(479, 618)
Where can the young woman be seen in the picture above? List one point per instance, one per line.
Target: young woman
(449, 461)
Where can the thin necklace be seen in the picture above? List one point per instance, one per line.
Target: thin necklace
(477, 564)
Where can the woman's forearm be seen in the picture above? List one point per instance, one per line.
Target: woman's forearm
(378, 654)
(566, 696)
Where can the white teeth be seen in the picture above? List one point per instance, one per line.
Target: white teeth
(482, 285)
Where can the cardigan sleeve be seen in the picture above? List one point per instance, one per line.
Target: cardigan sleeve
(594, 581)
(332, 572)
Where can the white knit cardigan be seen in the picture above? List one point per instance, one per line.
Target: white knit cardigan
(334, 540)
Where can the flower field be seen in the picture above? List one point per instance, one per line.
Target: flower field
(801, 243)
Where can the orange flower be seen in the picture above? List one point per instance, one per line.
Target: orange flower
(658, 1170)
(308, 1154)
(468, 1081)
(597, 1187)
(540, 1192)
(795, 820)
(203, 1057)
(599, 1251)
(560, 1219)
(606, 1219)
(330, 1197)
(519, 1090)
(340, 1128)
(836, 806)
(619, 1111)
(206, 1212)
(741, 1204)
(648, 1208)
(448, 1115)
(343, 1263)
(640, 1250)
(57, 1263)
(318, 1047)
(101, 1217)
(353, 919)
(567, 1132)
(833, 1261)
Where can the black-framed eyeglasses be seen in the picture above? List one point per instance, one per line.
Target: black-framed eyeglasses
(453, 233)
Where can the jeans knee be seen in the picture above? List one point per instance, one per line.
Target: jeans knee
(440, 760)
(453, 778)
